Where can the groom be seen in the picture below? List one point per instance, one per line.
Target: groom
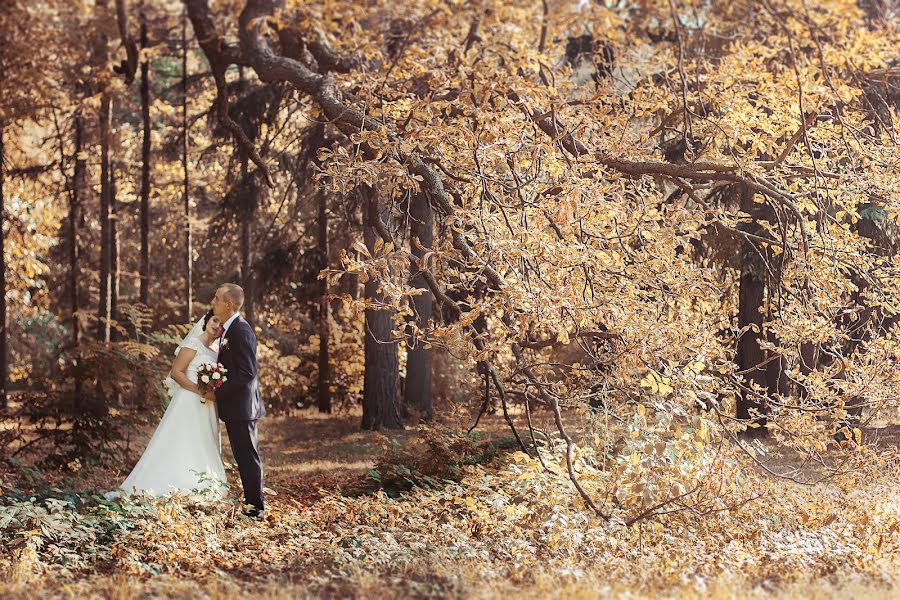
(238, 399)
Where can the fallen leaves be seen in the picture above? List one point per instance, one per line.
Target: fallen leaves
(493, 527)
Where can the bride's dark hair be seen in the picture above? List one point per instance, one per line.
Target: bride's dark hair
(206, 318)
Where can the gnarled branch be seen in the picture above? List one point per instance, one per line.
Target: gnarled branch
(129, 66)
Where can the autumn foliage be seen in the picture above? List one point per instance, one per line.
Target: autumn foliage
(658, 238)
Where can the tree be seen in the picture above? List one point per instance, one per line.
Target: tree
(417, 393)
(100, 56)
(4, 367)
(248, 201)
(323, 378)
(146, 146)
(751, 357)
(566, 210)
(380, 391)
(114, 260)
(185, 174)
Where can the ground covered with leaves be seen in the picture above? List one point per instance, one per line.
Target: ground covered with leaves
(441, 514)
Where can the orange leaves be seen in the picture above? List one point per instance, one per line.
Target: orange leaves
(566, 208)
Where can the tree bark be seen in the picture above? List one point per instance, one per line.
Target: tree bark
(144, 294)
(381, 379)
(750, 357)
(114, 262)
(324, 375)
(100, 56)
(777, 382)
(104, 309)
(4, 367)
(247, 214)
(355, 219)
(417, 396)
(129, 66)
(78, 184)
(189, 234)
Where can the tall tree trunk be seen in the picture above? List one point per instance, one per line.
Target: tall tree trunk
(247, 215)
(78, 184)
(189, 234)
(417, 396)
(99, 59)
(381, 379)
(144, 294)
(750, 357)
(355, 216)
(324, 376)
(4, 367)
(113, 247)
(104, 303)
(247, 266)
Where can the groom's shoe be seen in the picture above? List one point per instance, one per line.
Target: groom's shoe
(255, 513)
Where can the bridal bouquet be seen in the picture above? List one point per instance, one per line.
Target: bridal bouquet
(210, 377)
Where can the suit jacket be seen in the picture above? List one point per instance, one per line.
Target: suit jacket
(239, 398)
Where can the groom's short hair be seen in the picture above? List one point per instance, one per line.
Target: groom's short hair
(234, 293)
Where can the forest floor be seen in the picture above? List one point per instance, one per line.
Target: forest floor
(505, 528)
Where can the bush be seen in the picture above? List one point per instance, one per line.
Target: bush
(437, 456)
(101, 393)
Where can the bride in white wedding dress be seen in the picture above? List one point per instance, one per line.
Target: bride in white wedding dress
(184, 454)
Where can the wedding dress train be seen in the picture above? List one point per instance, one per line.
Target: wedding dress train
(184, 454)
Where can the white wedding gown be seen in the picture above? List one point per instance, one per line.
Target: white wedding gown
(184, 454)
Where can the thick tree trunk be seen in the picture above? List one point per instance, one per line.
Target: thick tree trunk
(750, 358)
(381, 379)
(417, 397)
(324, 376)
(189, 234)
(144, 294)
(4, 367)
(104, 309)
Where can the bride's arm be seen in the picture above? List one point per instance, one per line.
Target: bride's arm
(179, 370)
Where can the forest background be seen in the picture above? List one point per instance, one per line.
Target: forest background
(615, 281)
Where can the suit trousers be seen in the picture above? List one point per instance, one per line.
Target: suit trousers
(245, 448)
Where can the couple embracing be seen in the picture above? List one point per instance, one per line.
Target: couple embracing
(184, 453)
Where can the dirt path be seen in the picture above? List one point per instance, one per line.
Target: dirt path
(308, 453)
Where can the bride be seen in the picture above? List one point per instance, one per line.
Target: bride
(184, 453)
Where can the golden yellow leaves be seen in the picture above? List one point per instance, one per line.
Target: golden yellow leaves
(657, 384)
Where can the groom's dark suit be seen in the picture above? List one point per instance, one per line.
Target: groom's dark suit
(240, 405)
